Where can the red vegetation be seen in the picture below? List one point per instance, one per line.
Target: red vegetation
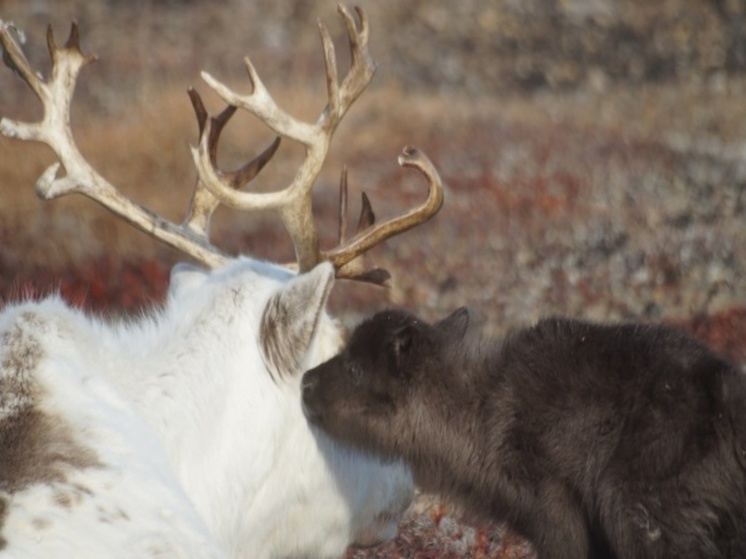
(106, 284)
(725, 332)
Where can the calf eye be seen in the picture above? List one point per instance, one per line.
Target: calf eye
(355, 371)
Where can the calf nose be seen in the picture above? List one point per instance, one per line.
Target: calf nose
(310, 380)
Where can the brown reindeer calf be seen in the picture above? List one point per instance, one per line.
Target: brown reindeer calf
(625, 441)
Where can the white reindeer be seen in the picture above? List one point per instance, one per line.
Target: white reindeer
(181, 434)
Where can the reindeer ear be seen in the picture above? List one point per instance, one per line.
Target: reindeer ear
(454, 326)
(291, 318)
(184, 278)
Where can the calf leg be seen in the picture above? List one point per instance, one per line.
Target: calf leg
(550, 516)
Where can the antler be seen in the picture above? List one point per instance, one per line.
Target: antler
(203, 203)
(191, 237)
(369, 235)
(214, 186)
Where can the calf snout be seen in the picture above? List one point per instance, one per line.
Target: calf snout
(310, 380)
(308, 386)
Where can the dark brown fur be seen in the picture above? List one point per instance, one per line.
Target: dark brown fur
(35, 447)
(622, 441)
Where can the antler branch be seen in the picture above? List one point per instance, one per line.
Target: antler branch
(54, 130)
(294, 202)
(203, 202)
(369, 234)
(214, 186)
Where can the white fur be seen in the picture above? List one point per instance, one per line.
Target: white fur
(200, 448)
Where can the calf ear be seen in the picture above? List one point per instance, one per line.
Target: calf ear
(455, 324)
(291, 318)
(402, 342)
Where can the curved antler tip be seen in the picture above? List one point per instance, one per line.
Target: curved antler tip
(362, 16)
(411, 155)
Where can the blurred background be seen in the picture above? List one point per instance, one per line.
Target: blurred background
(594, 155)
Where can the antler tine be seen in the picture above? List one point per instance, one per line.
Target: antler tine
(342, 237)
(203, 203)
(355, 268)
(243, 175)
(294, 202)
(370, 235)
(362, 66)
(14, 59)
(367, 217)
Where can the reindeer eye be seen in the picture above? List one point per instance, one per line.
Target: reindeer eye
(355, 371)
